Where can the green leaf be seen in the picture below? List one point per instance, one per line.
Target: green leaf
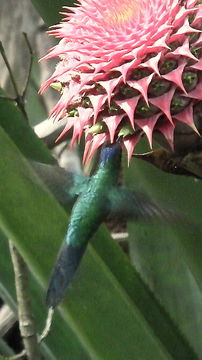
(49, 9)
(182, 194)
(98, 315)
(102, 315)
(93, 317)
(13, 122)
(55, 347)
(146, 301)
(164, 255)
(156, 255)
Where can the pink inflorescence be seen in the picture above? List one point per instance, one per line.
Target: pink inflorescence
(127, 68)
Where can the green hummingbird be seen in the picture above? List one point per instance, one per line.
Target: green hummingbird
(98, 197)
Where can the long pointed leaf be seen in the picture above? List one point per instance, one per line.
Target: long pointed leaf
(182, 194)
(163, 254)
(14, 124)
(98, 308)
(49, 10)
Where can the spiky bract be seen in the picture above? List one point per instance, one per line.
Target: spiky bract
(127, 68)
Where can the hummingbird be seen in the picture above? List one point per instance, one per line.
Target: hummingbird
(97, 198)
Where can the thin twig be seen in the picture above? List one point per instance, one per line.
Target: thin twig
(19, 99)
(3, 54)
(15, 357)
(26, 321)
(30, 64)
(48, 324)
(41, 337)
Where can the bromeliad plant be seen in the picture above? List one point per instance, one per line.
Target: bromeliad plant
(127, 69)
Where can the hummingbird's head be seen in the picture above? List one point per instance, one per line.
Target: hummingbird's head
(111, 154)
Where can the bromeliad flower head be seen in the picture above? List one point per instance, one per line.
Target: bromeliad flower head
(127, 68)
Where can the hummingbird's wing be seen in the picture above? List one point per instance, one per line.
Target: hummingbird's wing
(138, 206)
(64, 185)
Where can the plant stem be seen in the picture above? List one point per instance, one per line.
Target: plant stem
(48, 324)
(30, 64)
(15, 357)
(3, 54)
(26, 321)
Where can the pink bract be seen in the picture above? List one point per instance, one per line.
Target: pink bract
(127, 68)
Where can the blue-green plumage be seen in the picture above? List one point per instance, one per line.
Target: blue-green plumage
(97, 198)
(88, 213)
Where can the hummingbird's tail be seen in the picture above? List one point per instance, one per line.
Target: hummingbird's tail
(66, 265)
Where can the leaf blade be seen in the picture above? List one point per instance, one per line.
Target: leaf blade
(50, 10)
(23, 219)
